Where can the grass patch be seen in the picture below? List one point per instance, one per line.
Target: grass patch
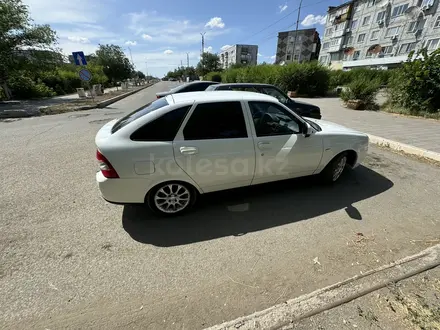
(387, 107)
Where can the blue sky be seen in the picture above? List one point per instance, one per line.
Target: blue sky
(160, 33)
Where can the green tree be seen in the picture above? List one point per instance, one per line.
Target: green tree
(140, 74)
(115, 64)
(23, 45)
(208, 63)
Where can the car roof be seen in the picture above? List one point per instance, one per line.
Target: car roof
(246, 84)
(207, 96)
(201, 81)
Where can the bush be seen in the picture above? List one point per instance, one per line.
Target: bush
(24, 87)
(309, 78)
(362, 88)
(343, 78)
(416, 85)
(214, 76)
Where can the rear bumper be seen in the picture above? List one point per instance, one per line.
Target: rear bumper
(122, 191)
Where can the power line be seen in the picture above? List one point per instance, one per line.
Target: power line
(282, 18)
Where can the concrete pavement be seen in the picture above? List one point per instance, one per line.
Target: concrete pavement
(70, 260)
(418, 132)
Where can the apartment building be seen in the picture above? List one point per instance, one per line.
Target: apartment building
(379, 33)
(304, 47)
(243, 54)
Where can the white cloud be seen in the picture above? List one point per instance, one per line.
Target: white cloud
(312, 20)
(273, 57)
(66, 11)
(168, 52)
(147, 36)
(166, 30)
(215, 22)
(283, 7)
(225, 47)
(208, 49)
(80, 40)
(259, 54)
(131, 43)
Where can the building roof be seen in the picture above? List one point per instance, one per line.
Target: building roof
(333, 8)
(299, 30)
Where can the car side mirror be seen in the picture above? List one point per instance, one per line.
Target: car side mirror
(307, 130)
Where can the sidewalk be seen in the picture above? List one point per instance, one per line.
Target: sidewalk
(421, 133)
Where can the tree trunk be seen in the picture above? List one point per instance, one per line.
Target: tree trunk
(6, 90)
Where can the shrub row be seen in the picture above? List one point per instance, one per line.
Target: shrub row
(61, 81)
(415, 86)
(311, 79)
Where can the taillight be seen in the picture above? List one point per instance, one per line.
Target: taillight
(106, 168)
(157, 97)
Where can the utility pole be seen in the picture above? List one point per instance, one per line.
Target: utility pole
(203, 42)
(181, 63)
(296, 32)
(146, 68)
(187, 60)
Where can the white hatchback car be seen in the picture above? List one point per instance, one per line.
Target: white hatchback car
(182, 145)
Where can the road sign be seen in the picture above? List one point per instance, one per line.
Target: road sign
(79, 58)
(85, 75)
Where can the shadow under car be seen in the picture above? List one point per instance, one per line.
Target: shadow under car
(249, 209)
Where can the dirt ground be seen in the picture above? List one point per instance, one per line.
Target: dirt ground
(413, 303)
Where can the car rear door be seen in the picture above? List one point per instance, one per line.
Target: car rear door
(282, 150)
(214, 146)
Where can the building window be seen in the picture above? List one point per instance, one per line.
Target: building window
(361, 38)
(416, 25)
(356, 55)
(288, 57)
(350, 40)
(407, 48)
(334, 42)
(326, 45)
(392, 31)
(295, 57)
(432, 44)
(354, 24)
(427, 3)
(399, 10)
(345, 57)
(328, 32)
(374, 35)
(387, 50)
(335, 57)
(368, 54)
(380, 16)
(366, 20)
(371, 3)
(323, 59)
(437, 22)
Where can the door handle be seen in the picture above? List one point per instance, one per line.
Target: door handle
(264, 145)
(189, 150)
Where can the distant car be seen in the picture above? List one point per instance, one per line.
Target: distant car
(301, 108)
(195, 86)
(154, 155)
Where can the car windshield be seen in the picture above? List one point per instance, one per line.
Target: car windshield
(160, 103)
(277, 94)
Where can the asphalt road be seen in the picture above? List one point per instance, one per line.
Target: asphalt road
(70, 260)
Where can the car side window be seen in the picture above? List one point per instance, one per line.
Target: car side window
(217, 120)
(272, 119)
(275, 93)
(163, 128)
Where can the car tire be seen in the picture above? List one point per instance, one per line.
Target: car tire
(333, 171)
(170, 199)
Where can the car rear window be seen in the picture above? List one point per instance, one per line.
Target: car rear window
(159, 103)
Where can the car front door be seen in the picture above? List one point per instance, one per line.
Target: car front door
(282, 150)
(214, 146)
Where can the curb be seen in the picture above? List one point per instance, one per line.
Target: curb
(105, 103)
(284, 315)
(405, 148)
